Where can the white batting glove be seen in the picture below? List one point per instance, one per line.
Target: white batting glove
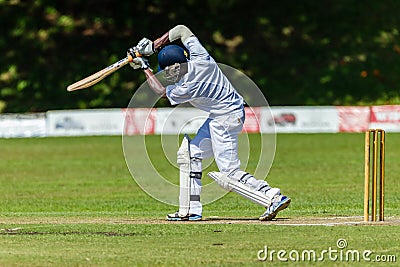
(139, 63)
(144, 63)
(136, 63)
(145, 47)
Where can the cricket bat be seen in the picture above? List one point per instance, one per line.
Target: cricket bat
(100, 75)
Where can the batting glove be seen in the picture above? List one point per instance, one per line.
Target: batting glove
(145, 47)
(139, 63)
(144, 63)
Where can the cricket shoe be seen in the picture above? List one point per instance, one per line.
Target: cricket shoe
(279, 202)
(190, 217)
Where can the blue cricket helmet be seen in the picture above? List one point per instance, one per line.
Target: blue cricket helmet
(170, 55)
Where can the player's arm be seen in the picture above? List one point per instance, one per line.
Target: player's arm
(178, 32)
(146, 47)
(154, 83)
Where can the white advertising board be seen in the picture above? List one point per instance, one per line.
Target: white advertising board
(139, 121)
(179, 120)
(304, 119)
(22, 125)
(296, 119)
(386, 118)
(85, 122)
(353, 119)
(189, 120)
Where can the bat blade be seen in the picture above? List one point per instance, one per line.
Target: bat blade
(98, 76)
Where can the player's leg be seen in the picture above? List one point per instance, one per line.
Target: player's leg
(200, 148)
(183, 160)
(279, 202)
(224, 135)
(190, 156)
(274, 201)
(263, 197)
(224, 132)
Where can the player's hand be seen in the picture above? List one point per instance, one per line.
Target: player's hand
(139, 63)
(145, 47)
(136, 63)
(144, 63)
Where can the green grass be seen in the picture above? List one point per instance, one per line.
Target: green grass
(181, 245)
(72, 202)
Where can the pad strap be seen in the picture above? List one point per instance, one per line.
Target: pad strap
(194, 198)
(246, 176)
(195, 175)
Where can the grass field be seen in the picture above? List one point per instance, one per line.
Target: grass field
(72, 202)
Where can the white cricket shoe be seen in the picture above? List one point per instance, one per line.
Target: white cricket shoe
(190, 217)
(279, 202)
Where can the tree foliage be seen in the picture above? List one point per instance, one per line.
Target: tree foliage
(343, 52)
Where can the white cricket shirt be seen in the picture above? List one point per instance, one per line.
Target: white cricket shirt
(204, 85)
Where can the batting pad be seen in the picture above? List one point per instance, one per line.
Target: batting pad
(184, 176)
(242, 189)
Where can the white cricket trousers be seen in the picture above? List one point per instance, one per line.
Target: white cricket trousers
(218, 137)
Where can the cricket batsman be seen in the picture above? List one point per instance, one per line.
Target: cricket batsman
(197, 79)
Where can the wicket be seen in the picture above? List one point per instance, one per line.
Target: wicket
(374, 162)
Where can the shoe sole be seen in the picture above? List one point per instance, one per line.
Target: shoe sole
(184, 219)
(177, 219)
(271, 216)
